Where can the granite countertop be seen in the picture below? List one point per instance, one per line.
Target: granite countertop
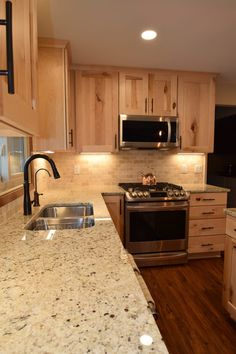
(230, 211)
(204, 188)
(71, 291)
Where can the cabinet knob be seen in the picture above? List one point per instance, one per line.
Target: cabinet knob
(174, 105)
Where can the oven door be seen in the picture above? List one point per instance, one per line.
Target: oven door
(156, 226)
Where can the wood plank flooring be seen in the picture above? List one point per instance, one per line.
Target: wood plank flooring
(191, 317)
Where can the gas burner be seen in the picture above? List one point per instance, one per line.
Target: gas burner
(161, 191)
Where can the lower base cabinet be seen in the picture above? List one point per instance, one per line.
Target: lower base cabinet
(206, 224)
(229, 289)
(115, 206)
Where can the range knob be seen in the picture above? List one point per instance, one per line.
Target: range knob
(176, 193)
(146, 194)
(170, 193)
(140, 194)
(182, 193)
(134, 194)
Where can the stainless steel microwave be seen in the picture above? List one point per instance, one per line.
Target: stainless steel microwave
(148, 132)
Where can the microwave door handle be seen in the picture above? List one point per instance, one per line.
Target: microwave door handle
(169, 131)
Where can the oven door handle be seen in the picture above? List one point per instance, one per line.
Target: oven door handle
(154, 207)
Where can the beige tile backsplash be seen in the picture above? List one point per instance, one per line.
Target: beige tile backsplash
(123, 167)
(111, 169)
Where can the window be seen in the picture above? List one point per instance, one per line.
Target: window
(13, 152)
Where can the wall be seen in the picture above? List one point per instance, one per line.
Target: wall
(225, 94)
(123, 167)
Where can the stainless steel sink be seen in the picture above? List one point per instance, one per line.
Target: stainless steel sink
(63, 216)
(66, 210)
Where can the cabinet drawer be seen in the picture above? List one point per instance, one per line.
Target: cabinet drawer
(208, 199)
(206, 244)
(231, 226)
(206, 227)
(206, 212)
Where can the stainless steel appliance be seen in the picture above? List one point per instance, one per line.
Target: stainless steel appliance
(156, 223)
(142, 132)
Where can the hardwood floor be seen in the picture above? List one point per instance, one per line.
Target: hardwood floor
(191, 317)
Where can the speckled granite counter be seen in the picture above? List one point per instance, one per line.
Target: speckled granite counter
(231, 212)
(71, 291)
(204, 188)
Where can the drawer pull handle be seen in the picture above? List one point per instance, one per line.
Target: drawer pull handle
(208, 213)
(198, 199)
(206, 244)
(208, 199)
(208, 228)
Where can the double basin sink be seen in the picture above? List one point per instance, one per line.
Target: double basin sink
(63, 216)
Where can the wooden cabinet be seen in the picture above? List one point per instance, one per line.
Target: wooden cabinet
(229, 289)
(143, 93)
(206, 223)
(96, 110)
(115, 206)
(56, 97)
(19, 109)
(196, 108)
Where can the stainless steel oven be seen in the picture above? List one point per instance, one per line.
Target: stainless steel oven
(156, 227)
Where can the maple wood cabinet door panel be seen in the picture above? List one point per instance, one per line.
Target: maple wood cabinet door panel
(196, 107)
(163, 94)
(133, 93)
(56, 97)
(19, 109)
(96, 111)
(229, 289)
(115, 206)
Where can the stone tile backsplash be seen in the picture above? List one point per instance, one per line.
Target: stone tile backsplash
(126, 166)
(110, 169)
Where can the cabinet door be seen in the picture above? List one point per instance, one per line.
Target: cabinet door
(115, 206)
(96, 110)
(133, 93)
(52, 99)
(70, 123)
(229, 294)
(196, 106)
(163, 94)
(19, 109)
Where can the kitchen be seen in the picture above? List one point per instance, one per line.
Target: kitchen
(74, 122)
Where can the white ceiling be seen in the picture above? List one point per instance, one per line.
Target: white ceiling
(197, 35)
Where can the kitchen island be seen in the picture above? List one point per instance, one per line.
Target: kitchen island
(71, 291)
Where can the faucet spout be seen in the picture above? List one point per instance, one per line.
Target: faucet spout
(27, 201)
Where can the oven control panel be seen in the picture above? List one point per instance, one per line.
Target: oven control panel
(169, 194)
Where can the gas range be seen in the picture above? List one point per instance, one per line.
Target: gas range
(161, 191)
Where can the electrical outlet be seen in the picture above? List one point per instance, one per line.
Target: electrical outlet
(77, 169)
(184, 168)
(198, 169)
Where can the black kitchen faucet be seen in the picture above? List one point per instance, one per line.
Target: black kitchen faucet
(27, 201)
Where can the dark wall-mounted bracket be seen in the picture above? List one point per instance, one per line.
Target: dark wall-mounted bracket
(9, 72)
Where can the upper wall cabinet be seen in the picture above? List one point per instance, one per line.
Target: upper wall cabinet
(96, 110)
(19, 109)
(143, 93)
(56, 97)
(196, 106)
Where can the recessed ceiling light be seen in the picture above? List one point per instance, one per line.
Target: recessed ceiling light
(148, 35)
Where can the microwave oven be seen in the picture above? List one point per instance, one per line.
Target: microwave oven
(148, 132)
